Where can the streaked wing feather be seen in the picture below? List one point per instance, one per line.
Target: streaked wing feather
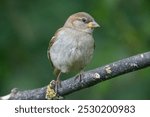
(52, 41)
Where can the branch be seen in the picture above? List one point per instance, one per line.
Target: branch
(89, 78)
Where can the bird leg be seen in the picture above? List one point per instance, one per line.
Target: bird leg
(58, 82)
(79, 76)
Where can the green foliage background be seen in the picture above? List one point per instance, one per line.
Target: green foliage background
(26, 27)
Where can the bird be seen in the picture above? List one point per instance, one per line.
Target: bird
(72, 46)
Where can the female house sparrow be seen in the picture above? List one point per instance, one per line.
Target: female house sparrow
(72, 46)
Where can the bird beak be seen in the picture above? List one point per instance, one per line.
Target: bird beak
(93, 24)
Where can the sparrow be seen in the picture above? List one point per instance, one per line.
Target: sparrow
(72, 46)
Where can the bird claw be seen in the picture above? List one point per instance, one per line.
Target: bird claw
(51, 91)
(57, 85)
(79, 76)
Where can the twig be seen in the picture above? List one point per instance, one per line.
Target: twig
(89, 78)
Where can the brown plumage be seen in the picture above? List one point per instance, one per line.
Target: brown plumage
(72, 46)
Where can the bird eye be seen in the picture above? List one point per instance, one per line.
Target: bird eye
(84, 20)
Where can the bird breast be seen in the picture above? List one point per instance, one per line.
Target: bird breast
(73, 50)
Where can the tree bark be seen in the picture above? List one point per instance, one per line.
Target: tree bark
(88, 79)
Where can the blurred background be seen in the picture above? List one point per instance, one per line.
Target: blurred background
(26, 26)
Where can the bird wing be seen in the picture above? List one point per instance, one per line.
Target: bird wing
(52, 41)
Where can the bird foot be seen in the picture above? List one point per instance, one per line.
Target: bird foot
(57, 85)
(79, 76)
(51, 92)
